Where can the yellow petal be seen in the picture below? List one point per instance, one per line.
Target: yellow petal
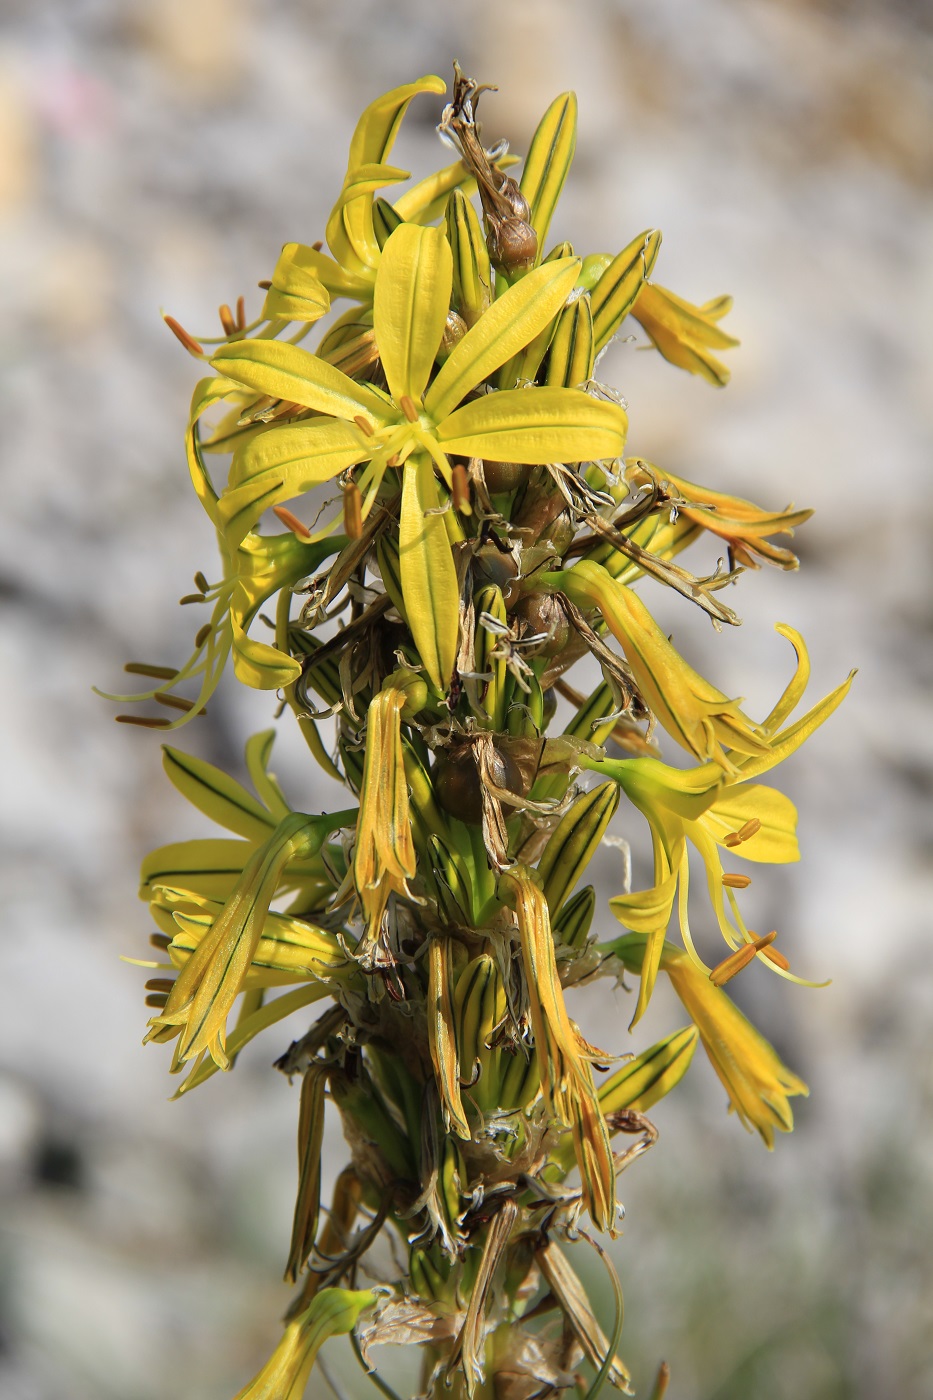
(410, 307)
(428, 574)
(514, 319)
(291, 373)
(535, 425)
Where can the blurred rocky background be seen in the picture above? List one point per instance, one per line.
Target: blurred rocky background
(157, 155)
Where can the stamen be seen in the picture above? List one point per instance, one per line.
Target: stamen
(188, 341)
(156, 1000)
(201, 582)
(175, 702)
(364, 425)
(352, 510)
(160, 984)
(202, 634)
(264, 285)
(777, 958)
(751, 828)
(241, 313)
(407, 405)
(733, 964)
(191, 598)
(159, 940)
(143, 721)
(226, 319)
(460, 489)
(158, 673)
(394, 461)
(737, 882)
(292, 522)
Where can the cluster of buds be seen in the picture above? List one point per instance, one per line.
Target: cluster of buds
(484, 532)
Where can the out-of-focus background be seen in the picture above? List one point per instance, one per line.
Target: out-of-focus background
(157, 155)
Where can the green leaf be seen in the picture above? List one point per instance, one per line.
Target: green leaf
(615, 292)
(290, 373)
(428, 574)
(511, 322)
(548, 162)
(410, 306)
(535, 425)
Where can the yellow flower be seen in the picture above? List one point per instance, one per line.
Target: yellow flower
(703, 720)
(713, 810)
(562, 1053)
(745, 527)
(757, 1082)
(384, 860)
(259, 567)
(416, 426)
(333, 1312)
(685, 334)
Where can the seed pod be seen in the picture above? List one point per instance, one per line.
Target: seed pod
(572, 922)
(457, 783)
(545, 618)
(455, 328)
(575, 841)
(512, 244)
(503, 477)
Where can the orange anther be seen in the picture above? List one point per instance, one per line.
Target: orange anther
(352, 511)
(292, 522)
(188, 341)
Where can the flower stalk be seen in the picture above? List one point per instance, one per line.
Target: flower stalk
(482, 531)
